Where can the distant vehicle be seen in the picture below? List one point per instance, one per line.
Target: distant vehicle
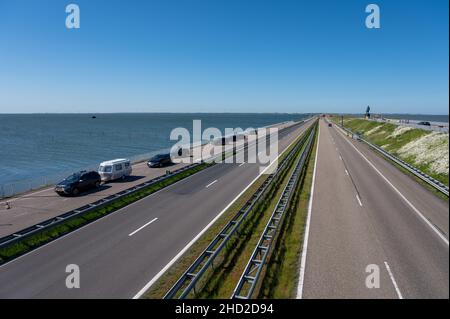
(330, 125)
(183, 152)
(159, 160)
(424, 123)
(78, 182)
(115, 169)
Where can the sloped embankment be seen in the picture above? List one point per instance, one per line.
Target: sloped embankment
(428, 151)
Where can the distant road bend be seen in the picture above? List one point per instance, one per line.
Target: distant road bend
(120, 253)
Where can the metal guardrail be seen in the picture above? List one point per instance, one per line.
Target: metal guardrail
(249, 278)
(54, 221)
(20, 235)
(187, 282)
(423, 176)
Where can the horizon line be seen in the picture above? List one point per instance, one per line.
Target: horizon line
(174, 113)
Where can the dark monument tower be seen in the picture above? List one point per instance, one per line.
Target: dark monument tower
(368, 112)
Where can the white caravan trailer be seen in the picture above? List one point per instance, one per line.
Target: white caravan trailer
(115, 169)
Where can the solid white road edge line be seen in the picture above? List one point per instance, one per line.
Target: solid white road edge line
(308, 222)
(445, 240)
(140, 228)
(399, 294)
(188, 245)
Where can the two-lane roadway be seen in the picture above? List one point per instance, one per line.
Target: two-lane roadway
(367, 216)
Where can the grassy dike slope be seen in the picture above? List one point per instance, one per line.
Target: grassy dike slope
(426, 150)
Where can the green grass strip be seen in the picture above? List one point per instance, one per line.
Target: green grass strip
(46, 235)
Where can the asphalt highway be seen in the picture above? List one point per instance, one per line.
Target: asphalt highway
(35, 207)
(120, 253)
(366, 214)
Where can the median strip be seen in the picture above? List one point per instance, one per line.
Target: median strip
(158, 286)
(205, 277)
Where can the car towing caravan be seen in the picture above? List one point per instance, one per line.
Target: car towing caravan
(115, 169)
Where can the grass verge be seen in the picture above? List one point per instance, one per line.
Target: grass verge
(224, 278)
(442, 178)
(281, 274)
(405, 171)
(392, 138)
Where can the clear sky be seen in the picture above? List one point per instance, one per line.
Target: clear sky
(224, 56)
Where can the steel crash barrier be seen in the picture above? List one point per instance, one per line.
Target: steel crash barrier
(251, 275)
(418, 173)
(23, 234)
(189, 279)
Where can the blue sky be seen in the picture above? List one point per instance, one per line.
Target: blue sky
(224, 56)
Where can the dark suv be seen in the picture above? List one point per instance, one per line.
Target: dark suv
(159, 160)
(78, 182)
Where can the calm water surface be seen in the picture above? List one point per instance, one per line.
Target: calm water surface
(34, 146)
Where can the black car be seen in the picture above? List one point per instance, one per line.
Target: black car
(330, 125)
(78, 182)
(424, 123)
(159, 160)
